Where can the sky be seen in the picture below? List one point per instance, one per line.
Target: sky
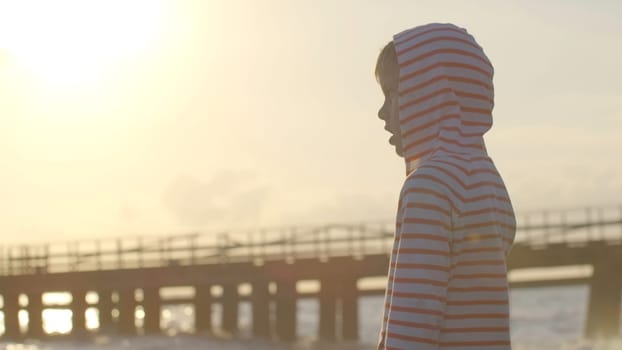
(162, 117)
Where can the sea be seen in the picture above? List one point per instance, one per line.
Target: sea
(543, 318)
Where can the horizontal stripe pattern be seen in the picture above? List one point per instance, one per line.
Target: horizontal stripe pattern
(445, 90)
(447, 285)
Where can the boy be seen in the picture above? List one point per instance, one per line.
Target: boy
(447, 286)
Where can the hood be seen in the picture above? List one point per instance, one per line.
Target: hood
(446, 92)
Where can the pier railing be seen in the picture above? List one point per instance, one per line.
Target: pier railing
(259, 246)
(571, 226)
(538, 229)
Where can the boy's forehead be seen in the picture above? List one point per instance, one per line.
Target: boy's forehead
(388, 73)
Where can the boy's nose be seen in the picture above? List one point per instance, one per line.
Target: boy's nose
(382, 113)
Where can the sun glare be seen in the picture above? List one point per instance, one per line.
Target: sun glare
(71, 42)
(57, 321)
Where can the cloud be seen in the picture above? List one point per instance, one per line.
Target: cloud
(549, 167)
(228, 198)
(343, 207)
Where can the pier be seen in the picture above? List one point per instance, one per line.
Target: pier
(265, 268)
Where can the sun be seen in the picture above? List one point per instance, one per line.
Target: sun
(74, 42)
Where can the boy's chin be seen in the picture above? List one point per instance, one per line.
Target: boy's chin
(399, 151)
(398, 147)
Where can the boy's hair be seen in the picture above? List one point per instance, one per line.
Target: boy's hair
(386, 55)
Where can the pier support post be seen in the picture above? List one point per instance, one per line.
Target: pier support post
(104, 307)
(286, 309)
(603, 315)
(230, 307)
(35, 315)
(261, 309)
(328, 308)
(151, 306)
(78, 311)
(349, 309)
(11, 319)
(127, 311)
(202, 308)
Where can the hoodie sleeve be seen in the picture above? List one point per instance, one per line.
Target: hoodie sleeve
(419, 270)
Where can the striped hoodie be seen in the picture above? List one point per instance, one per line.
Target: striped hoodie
(447, 286)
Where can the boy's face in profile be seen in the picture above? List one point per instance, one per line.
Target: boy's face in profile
(388, 77)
